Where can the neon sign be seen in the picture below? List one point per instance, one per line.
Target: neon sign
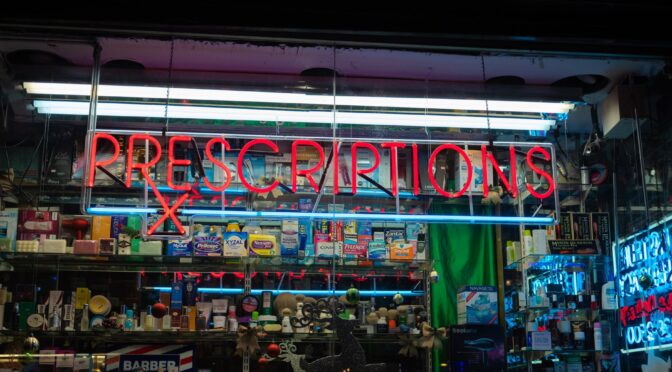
(646, 315)
(324, 165)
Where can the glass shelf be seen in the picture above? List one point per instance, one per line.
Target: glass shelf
(551, 261)
(118, 336)
(136, 263)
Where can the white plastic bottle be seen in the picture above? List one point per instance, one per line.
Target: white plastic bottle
(597, 332)
(609, 300)
(528, 243)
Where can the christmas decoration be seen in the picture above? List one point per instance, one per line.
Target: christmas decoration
(398, 299)
(287, 353)
(248, 340)
(431, 337)
(352, 357)
(159, 310)
(352, 296)
(409, 345)
(434, 277)
(273, 350)
(31, 345)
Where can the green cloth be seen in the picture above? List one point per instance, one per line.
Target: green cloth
(463, 255)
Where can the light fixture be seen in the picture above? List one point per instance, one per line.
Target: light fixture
(104, 90)
(374, 217)
(298, 116)
(307, 292)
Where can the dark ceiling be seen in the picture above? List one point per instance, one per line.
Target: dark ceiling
(627, 27)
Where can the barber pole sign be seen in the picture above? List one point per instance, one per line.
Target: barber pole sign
(150, 358)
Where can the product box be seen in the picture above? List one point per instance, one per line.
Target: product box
(289, 239)
(124, 245)
(118, 223)
(180, 247)
(235, 244)
(53, 246)
(477, 179)
(150, 248)
(101, 228)
(564, 227)
(262, 245)
(582, 226)
(393, 235)
(85, 247)
(305, 237)
(107, 246)
(38, 225)
(207, 246)
(477, 305)
(476, 348)
(602, 232)
(328, 249)
(540, 241)
(378, 251)
(82, 296)
(402, 251)
(9, 219)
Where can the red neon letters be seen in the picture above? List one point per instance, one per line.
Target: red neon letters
(179, 162)
(530, 163)
(512, 186)
(218, 163)
(248, 178)
(93, 164)
(430, 170)
(306, 172)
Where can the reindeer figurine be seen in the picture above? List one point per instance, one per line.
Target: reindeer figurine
(352, 357)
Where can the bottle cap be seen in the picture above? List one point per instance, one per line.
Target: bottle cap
(527, 233)
(255, 315)
(597, 325)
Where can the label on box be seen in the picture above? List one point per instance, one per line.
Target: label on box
(262, 245)
(124, 245)
(179, 247)
(573, 246)
(394, 236)
(107, 246)
(377, 250)
(326, 249)
(289, 239)
(235, 244)
(207, 246)
(402, 251)
(541, 341)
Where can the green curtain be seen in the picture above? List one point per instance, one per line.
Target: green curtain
(463, 255)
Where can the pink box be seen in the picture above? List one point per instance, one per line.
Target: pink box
(85, 247)
(38, 225)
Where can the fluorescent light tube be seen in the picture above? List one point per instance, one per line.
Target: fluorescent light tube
(104, 90)
(374, 217)
(316, 117)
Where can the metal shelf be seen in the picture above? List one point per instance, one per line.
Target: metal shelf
(135, 263)
(210, 336)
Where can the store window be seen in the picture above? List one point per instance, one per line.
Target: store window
(187, 205)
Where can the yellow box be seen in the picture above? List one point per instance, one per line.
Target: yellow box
(262, 245)
(82, 296)
(101, 227)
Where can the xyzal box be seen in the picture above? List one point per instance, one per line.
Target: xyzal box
(477, 304)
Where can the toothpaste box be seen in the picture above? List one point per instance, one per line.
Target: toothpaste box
(207, 246)
(262, 245)
(289, 238)
(235, 244)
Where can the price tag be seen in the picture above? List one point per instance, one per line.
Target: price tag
(541, 341)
